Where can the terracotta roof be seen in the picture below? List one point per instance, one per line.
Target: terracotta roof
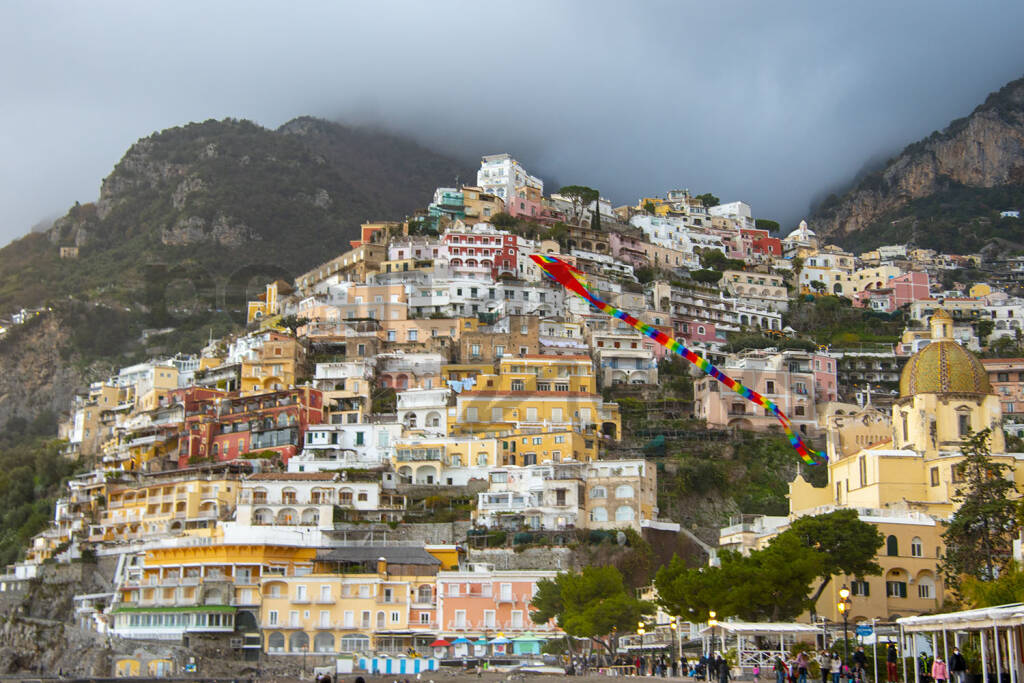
(294, 476)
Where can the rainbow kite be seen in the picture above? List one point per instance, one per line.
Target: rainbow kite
(574, 280)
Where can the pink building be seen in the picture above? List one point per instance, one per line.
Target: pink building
(482, 602)
(787, 378)
(899, 290)
(629, 249)
(533, 210)
(826, 382)
(912, 286)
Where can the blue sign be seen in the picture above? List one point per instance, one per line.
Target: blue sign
(864, 630)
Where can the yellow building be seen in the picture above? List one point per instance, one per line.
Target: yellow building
(539, 393)
(979, 290)
(905, 484)
(268, 304)
(355, 600)
(205, 588)
(278, 364)
(165, 504)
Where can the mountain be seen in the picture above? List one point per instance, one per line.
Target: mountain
(215, 197)
(945, 191)
(198, 217)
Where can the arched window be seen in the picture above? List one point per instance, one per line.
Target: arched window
(275, 642)
(298, 642)
(892, 546)
(624, 491)
(599, 515)
(926, 586)
(916, 547)
(598, 492)
(381, 620)
(624, 513)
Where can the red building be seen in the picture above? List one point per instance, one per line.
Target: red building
(229, 426)
(482, 249)
(762, 242)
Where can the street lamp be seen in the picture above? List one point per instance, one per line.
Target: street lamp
(844, 609)
(712, 622)
(640, 630)
(673, 624)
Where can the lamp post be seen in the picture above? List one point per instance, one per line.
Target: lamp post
(640, 630)
(674, 625)
(712, 622)
(844, 609)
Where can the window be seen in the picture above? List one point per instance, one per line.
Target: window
(598, 492)
(624, 491)
(916, 547)
(924, 590)
(769, 387)
(325, 593)
(471, 414)
(395, 617)
(934, 474)
(599, 514)
(453, 590)
(863, 463)
(460, 618)
(895, 589)
(892, 547)
(499, 351)
(964, 422)
(488, 618)
(860, 588)
(365, 619)
(424, 617)
(624, 513)
(272, 617)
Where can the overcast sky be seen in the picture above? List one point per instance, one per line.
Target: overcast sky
(765, 101)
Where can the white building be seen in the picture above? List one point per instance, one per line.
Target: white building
(501, 175)
(738, 211)
(682, 233)
(309, 499)
(335, 446)
(623, 357)
(532, 497)
(425, 410)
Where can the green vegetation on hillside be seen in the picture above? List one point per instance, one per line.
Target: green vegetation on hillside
(833, 320)
(32, 475)
(956, 220)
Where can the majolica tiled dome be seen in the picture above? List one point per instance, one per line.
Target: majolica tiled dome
(943, 366)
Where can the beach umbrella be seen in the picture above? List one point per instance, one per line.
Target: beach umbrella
(461, 641)
(481, 641)
(440, 642)
(500, 640)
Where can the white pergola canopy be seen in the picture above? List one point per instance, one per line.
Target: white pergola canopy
(753, 628)
(969, 620)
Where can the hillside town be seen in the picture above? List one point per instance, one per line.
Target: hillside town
(406, 439)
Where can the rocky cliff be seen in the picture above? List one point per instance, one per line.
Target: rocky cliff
(983, 150)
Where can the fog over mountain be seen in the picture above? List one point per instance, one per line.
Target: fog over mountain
(770, 103)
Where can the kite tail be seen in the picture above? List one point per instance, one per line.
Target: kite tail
(572, 279)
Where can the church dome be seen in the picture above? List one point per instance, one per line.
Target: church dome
(943, 367)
